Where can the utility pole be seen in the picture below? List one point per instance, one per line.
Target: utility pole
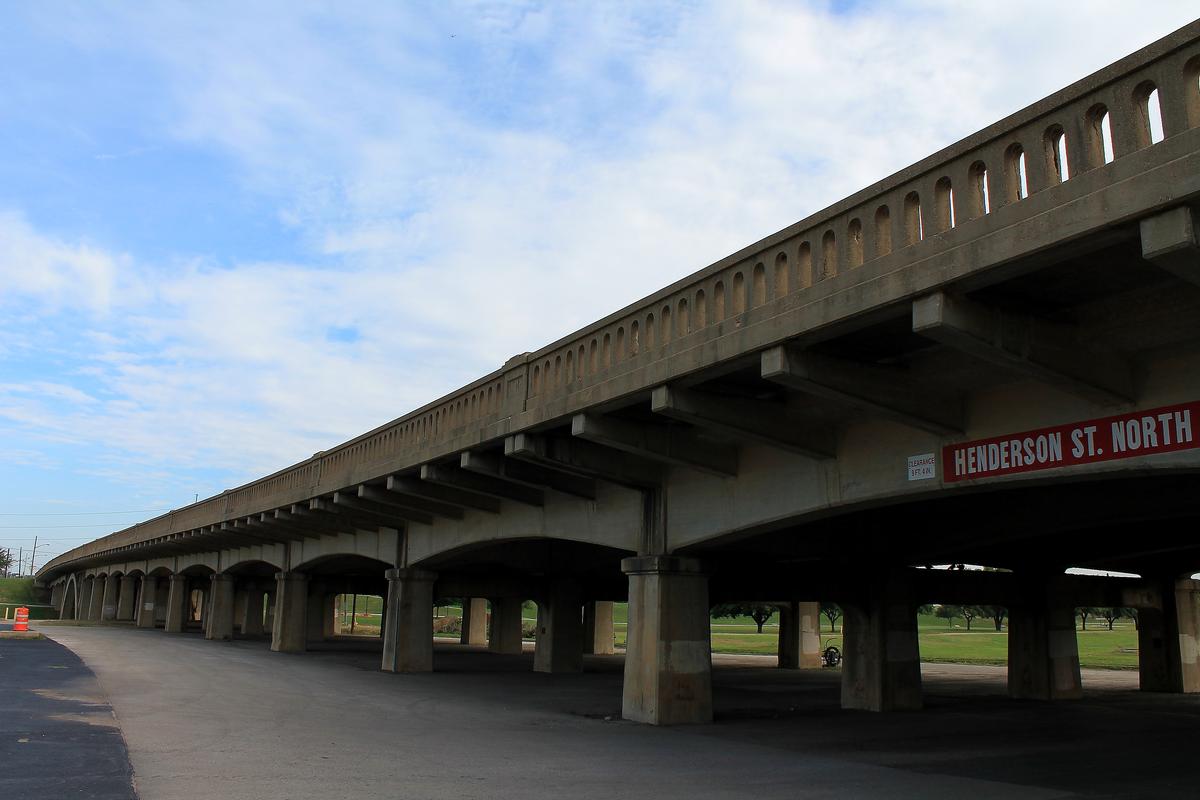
(20, 560)
(33, 555)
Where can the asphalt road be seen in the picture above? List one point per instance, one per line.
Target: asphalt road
(233, 720)
(58, 735)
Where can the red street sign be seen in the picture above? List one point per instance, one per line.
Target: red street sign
(1139, 433)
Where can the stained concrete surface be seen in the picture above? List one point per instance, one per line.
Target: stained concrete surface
(58, 735)
(208, 719)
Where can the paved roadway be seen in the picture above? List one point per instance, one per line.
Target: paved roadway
(58, 735)
(215, 720)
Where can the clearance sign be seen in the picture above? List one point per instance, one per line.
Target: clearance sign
(1141, 433)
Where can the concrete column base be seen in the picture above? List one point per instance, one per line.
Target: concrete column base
(147, 603)
(668, 657)
(1043, 655)
(408, 625)
(220, 608)
(291, 611)
(882, 670)
(177, 599)
(1167, 640)
(559, 646)
(505, 634)
(598, 628)
(474, 621)
(799, 636)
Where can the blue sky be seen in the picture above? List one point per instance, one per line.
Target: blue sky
(234, 234)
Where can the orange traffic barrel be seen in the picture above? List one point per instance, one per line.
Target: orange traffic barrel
(22, 619)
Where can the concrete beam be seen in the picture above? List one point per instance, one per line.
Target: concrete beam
(533, 475)
(309, 522)
(487, 485)
(414, 487)
(881, 391)
(744, 419)
(666, 443)
(1172, 241)
(421, 505)
(580, 457)
(1053, 354)
(374, 514)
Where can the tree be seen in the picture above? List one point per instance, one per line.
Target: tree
(832, 612)
(969, 613)
(6, 559)
(948, 613)
(755, 611)
(997, 615)
(1086, 611)
(1111, 615)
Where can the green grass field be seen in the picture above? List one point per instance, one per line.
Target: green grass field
(941, 641)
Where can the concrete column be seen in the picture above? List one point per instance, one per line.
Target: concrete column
(408, 629)
(319, 617)
(239, 607)
(598, 628)
(291, 609)
(882, 670)
(505, 635)
(1043, 657)
(269, 617)
(127, 597)
(800, 636)
(1167, 640)
(668, 655)
(160, 601)
(112, 587)
(220, 608)
(474, 621)
(147, 602)
(56, 597)
(252, 611)
(96, 599)
(177, 603)
(559, 646)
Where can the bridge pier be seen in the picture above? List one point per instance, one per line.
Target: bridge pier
(147, 603)
(251, 617)
(1167, 640)
(408, 621)
(1043, 653)
(177, 599)
(474, 621)
(800, 636)
(882, 669)
(559, 646)
(126, 597)
(668, 656)
(598, 628)
(108, 609)
(291, 608)
(319, 618)
(505, 635)
(220, 608)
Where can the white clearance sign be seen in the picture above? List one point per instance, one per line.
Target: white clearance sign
(1140, 433)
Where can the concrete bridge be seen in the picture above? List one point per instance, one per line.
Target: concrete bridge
(990, 357)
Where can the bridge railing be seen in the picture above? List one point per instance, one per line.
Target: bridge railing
(1068, 137)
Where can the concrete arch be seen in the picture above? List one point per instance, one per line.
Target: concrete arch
(70, 600)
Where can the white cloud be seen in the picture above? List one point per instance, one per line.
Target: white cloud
(467, 198)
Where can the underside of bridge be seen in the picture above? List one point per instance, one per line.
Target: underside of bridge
(990, 358)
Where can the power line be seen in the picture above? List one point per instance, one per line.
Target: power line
(47, 527)
(81, 513)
